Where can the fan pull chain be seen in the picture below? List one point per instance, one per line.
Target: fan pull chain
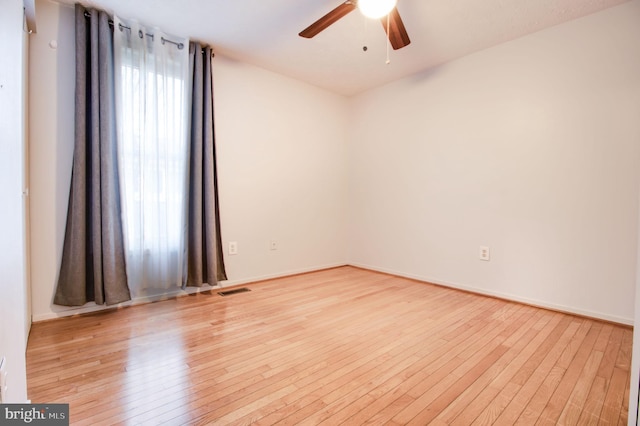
(363, 33)
(388, 41)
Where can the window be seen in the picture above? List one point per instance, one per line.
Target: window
(152, 110)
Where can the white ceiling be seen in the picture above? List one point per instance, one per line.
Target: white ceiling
(265, 33)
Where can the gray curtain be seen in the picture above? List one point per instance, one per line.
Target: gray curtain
(93, 265)
(205, 260)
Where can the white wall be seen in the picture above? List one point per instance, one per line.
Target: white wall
(281, 152)
(282, 171)
(51, 106)
(13, 283)
(531, 148)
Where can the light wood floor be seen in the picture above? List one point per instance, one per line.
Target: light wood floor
(331, 347)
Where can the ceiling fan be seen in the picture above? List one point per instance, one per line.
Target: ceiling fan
(391, 21)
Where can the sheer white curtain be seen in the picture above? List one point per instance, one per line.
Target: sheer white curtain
(152, 83)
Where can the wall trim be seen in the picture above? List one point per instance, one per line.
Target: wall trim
(505, 296)
(92, 307)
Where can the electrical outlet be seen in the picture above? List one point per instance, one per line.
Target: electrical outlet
(485, 253)
(233, 247)
(273, 245)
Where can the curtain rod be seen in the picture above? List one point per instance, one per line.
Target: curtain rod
(162, 39)
(180, 46)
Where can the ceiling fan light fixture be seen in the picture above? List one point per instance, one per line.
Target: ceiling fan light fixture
(376, 9)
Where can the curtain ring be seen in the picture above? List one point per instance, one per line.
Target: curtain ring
(140, 33)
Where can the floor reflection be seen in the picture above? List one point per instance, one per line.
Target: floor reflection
(157, 377)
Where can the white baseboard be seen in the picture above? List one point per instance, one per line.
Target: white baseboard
(231, 283)
(505, 296)
(92, 307)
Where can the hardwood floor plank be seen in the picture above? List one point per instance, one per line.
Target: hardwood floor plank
(426, 392)
(436, 350)
(593, 406)
(427, 414)
(354, 358)
(339, 346)
(530, 377)
(624, 409)
(307, 411)
(490, 401)
(574, 406)
(613, 401)
(571, 376)
(527, 340)
(515, 331)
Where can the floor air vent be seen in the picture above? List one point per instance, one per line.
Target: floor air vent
(234, 291)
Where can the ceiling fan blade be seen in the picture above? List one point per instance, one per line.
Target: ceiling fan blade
(398, 36)
(328, 19)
